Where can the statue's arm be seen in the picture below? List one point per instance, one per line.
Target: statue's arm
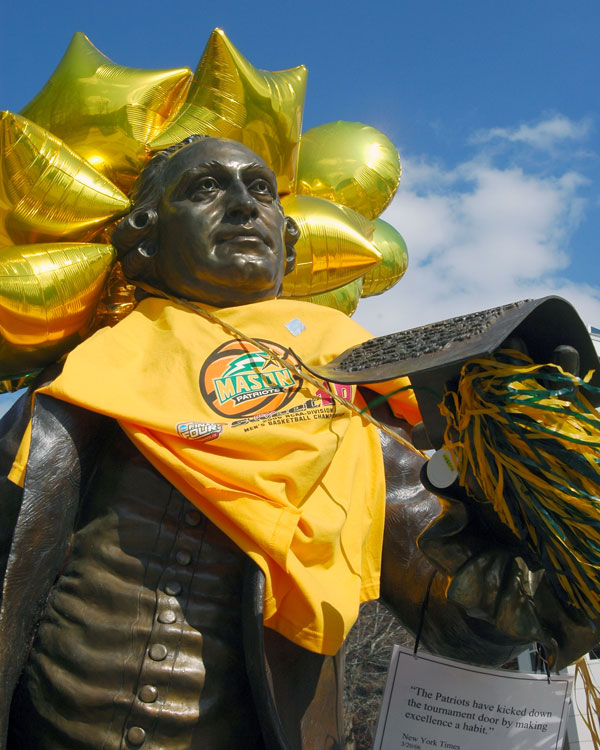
(491, 613)
(406, 573)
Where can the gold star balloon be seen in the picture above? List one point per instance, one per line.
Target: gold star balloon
(105, 112)
(392, 268)
(230, 98)
(47, 192)
(350, 163)
(333, 248)
(48, 294)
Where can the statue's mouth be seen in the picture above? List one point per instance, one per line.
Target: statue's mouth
(243, 236)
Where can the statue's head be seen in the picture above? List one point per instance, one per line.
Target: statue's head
(207, 225)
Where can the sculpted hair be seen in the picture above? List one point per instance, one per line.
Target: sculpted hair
(135, 236)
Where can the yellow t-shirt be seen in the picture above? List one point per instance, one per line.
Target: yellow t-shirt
(291, 476)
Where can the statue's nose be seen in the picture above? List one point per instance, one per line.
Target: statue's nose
(241, 205)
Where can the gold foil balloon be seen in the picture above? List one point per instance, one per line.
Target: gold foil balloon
(333, 248)
(106, 112)
(95, 125)
(345, 299)
(395, 260)
(117, 301)
(230, 98)
(350, 163)
(48, 294)
(47, 192)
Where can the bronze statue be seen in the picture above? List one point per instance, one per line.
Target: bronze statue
(128, 618)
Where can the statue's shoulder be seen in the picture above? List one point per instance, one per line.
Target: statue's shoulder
(63, 436)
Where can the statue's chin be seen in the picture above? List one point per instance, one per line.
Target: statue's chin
(238, 291)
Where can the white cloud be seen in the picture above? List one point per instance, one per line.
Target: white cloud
(479, 236)
(544, 135)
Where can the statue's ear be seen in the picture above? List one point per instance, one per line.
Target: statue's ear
(291, 236)
(136, 241)
(138, 264)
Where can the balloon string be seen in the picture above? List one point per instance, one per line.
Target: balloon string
(302, 374)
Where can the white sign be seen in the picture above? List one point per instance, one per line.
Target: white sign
(430, 702)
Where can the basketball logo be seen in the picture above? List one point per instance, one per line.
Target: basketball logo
(240, 380)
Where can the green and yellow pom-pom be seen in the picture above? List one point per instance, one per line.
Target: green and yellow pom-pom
(530, 439)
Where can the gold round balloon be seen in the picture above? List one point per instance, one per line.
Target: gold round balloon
(47, 192)
(392, 268)
(48, 294)
(345, 299)
(350, 163)
(230, 98)
(105, 112)
(333, 248)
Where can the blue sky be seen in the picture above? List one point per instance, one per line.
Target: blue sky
(493, 107)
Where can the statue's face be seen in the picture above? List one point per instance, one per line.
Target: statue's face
(220, 226)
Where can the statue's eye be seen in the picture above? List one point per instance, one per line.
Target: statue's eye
(261, 187)
(204, 186)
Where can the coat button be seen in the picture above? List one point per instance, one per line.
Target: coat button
(136, 735)
(167, 616)
(148, 694)
(193, 518)
(183, 557)
(173, 588)
(158, 652)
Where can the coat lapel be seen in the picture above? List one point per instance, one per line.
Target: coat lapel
(60, 459)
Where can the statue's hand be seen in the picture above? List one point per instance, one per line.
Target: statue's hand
(459, 551)
(488, 578)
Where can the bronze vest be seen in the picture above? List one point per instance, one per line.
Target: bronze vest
(139, 642)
